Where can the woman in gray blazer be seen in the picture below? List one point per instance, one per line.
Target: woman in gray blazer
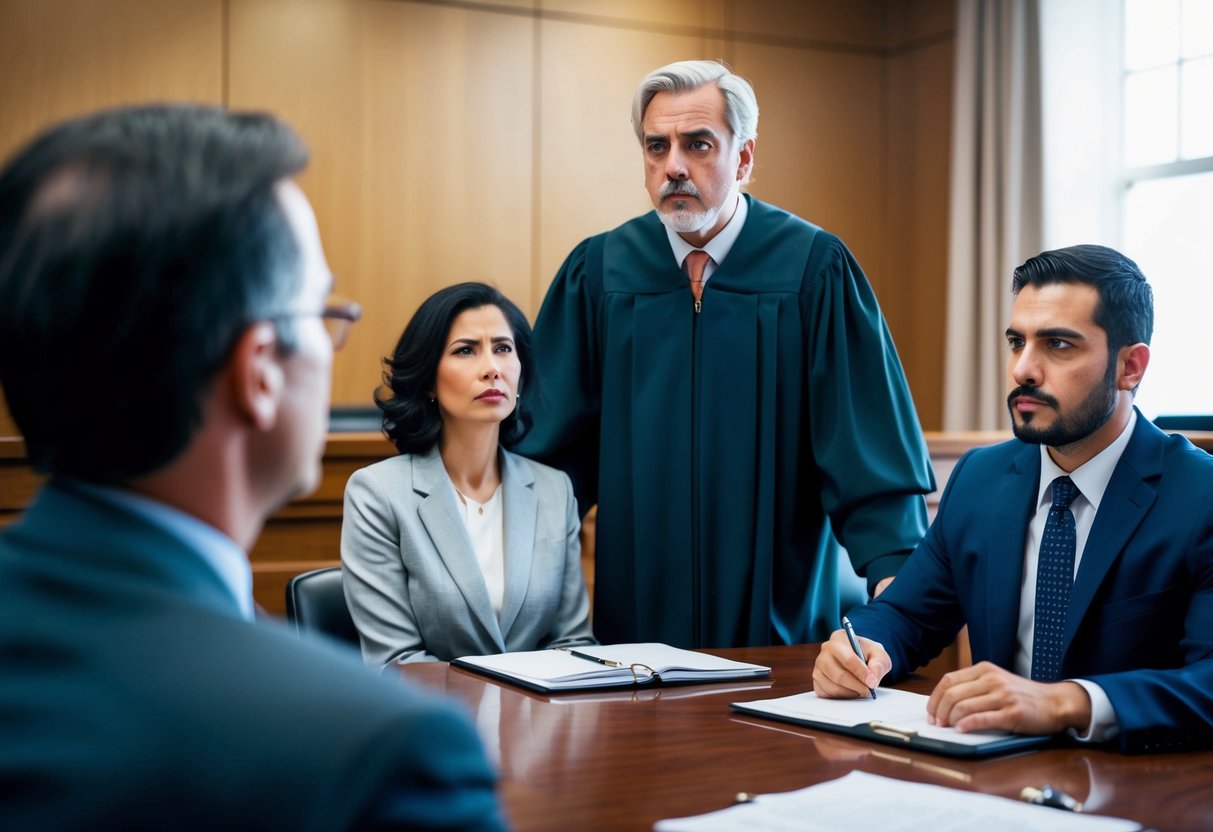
(456, 546)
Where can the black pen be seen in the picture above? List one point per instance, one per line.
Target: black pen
(846, 625)
(590, 658)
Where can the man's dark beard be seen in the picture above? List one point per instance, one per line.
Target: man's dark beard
(1088, 417)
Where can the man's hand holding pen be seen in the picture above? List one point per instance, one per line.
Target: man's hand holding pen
(970, 699)
(839, 673)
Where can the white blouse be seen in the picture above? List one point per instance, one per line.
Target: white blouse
(485, 523)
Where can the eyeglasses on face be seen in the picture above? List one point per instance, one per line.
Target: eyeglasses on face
(338, 315)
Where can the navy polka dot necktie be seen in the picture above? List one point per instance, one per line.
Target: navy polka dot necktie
(1054, 578)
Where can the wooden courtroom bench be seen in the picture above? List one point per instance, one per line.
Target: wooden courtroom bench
(306, 533)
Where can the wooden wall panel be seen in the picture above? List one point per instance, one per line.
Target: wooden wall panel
(848, 25)
(483, 139)
(634, 14)
(527, 6)
(61, 58)
(419, 121)
(7, 426)
(921, 20)
(914, 293)
(590, 171)
(819, 145)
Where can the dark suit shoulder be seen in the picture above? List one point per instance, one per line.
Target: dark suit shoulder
(1153, 454)
(989, 459)
(412, 759)
(312, 718)
(214, 723)
(1179, 450)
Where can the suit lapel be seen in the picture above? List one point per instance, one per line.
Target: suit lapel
(1130, 494)
(1015, 496)
(521, 512)
(439, 512)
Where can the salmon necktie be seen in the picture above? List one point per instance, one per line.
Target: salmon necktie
(696, 261)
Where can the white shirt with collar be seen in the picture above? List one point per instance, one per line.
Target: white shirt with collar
(222, 554)
(1091, 479)
(718, 247)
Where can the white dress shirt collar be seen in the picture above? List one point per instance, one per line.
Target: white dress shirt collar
(1092, 477)
(719, 246)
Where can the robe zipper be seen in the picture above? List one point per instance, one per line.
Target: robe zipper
(696, 578)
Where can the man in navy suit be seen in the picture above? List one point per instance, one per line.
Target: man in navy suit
(166, 339)
(1114, 640)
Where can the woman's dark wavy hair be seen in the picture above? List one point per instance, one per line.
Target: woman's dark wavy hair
(410, 419)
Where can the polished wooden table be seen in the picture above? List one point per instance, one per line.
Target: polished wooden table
(624, 760)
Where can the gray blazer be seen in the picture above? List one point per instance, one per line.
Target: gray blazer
(411, 579)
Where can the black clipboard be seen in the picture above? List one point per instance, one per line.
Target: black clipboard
(905, 738)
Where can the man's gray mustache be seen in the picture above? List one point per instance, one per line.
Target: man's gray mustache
(678, 189)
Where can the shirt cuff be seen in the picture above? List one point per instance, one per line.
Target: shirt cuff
(1103, 725)
(883, 567)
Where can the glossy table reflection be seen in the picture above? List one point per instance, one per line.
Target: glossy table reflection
(626, 759)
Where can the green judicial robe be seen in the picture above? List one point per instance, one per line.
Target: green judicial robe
(726, 448)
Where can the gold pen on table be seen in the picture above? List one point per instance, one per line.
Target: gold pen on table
(590, 658)
(850, 631)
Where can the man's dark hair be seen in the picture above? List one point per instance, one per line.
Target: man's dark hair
(1126, 304)
(410, 419)
(136, 246)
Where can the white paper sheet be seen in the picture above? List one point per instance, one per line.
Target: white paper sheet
(864, 802)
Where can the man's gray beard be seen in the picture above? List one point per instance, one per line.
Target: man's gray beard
(686, 221)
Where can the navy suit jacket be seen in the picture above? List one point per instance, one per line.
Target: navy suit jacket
(1140, 622)
(133, 696)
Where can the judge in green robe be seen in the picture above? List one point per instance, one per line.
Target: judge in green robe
(730, 441)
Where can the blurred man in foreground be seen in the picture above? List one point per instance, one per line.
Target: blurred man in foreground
(163, 307)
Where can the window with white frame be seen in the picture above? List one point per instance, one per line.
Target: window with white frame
(1127, 104)
(1167, 182)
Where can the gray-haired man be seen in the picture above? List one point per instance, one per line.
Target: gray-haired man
(717, 376)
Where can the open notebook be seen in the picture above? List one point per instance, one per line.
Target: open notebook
(613, 665)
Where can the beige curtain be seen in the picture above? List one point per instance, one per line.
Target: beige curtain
(996, 207)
